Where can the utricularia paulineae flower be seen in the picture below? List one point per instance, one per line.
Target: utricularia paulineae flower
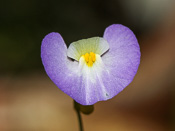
(93, 69)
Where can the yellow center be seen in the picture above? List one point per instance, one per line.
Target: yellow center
(89, 58)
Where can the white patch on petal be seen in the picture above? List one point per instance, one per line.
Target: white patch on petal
(96, 45)
(91, 75)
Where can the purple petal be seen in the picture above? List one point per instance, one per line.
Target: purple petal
(64, 72)
(122, 59)
(58, 67)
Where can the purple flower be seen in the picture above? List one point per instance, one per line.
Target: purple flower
(93, 69)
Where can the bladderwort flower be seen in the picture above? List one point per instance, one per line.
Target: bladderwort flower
(93, 69)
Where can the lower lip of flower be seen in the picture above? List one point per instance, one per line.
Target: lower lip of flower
(89, 58)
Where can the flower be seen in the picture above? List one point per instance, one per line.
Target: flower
(93, 69)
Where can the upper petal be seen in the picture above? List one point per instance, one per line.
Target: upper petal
(96, 45)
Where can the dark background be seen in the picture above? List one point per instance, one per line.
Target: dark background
(29, 101)
(24, 23)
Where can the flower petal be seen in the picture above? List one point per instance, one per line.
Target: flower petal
(96, 45)
(92, 80)
(122, 59)
(64, 72)
(99, 83)
(60, 69)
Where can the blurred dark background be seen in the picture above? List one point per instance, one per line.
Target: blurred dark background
(30, 101)
(24, 23)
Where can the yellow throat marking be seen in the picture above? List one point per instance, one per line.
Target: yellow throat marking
(90, 58)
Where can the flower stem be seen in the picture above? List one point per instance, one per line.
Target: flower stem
(80, 121)
(79, 116)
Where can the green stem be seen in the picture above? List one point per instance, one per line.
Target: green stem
(80, 120)
(79, 116)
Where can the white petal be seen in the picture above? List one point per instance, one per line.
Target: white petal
(92, 80)
(96, 45)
